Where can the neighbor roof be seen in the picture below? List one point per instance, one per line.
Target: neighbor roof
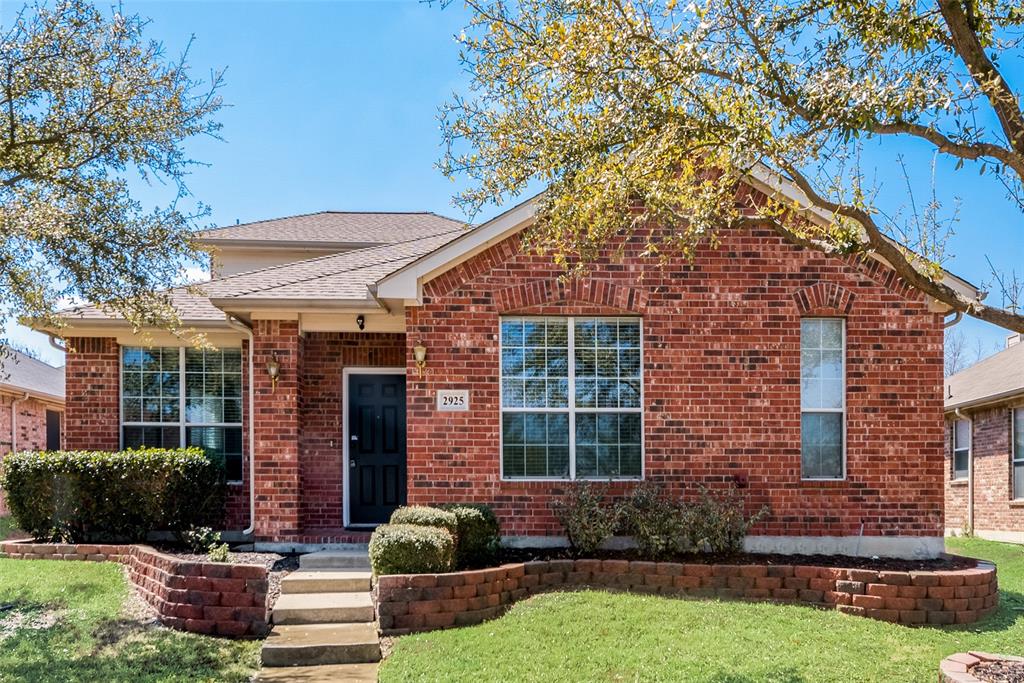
(22, 373)
(191, 308)
(996, 378)
(333, 229)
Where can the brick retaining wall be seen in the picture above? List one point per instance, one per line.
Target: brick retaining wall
(201, 597)
(424, 602)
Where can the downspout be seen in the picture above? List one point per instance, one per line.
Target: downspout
(970, 473)
(957, 317)
(57, 345)
(245, 329)
(14, 421)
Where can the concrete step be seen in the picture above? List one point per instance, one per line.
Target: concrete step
(318, 644)
(335, 559)
(336, 673)
(323, 608)
(325, 581)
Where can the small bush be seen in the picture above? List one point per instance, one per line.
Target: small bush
(653, 520)
(200, 539)
(78, 496)
(411, 549)
(421, 515)
(478, 536)
(587, 521)
(219, 553)
(718, 523)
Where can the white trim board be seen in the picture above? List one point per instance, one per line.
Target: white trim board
(345, 374)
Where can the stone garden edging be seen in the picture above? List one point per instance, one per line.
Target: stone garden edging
(957, 668)
(408, 603)
(201, 597)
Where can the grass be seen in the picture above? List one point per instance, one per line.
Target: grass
(599, 636)
(7, 528)
(91, 640)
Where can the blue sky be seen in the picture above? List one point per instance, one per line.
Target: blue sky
(333, 106)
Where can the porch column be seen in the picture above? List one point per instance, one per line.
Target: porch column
(276, 429)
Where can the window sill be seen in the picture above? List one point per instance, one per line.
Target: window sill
(1017, 503)
(959, 482)
(822, 483)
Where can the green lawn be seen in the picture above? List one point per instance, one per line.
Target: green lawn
(598, 636)
(7, 528)
(90, 640)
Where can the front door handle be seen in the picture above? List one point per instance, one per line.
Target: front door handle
(355, 437)
(351, 463)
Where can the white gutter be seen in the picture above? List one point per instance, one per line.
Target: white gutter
(970, 473)
(245, 329)
(14, 421)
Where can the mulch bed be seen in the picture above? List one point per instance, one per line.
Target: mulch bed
(999, 672)
(845, 561)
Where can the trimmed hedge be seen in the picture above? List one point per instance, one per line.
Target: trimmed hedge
(411, 549)
(421, 515)
(479, 535)
(75, 496)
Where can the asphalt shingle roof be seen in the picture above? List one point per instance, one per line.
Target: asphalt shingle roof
(996, 377)
(21, 372)
(192, 308)
(337, 227)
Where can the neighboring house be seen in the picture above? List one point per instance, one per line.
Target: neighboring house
(31, 405)
(985, 447)
(412, 360)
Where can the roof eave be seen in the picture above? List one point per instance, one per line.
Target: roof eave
(305, 245)
(32, 393)
(993, 399)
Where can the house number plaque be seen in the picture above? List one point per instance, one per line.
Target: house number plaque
(452, 400)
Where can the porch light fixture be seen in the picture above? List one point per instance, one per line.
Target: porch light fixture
(274, 370)
(419, 354)
(361, 321)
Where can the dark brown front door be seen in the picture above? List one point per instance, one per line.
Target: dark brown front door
(376, 449)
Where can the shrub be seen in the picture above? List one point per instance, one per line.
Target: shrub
(654, 521)
(77, 496)
(219, 553)
(718, 523)
(421, 515)
(200, 539)
(478, 534)
(411, 549)
(587, 521)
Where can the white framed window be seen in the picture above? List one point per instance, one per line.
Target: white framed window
(172, 397)
(1017, 434)
(571, 398)
(961, 448)
(822, 398)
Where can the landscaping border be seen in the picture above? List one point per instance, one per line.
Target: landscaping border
(424, 602)
(200, 597)
(957, 668)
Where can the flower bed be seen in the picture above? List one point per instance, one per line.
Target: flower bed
(979, 667)
(201, 597)
(424, 602)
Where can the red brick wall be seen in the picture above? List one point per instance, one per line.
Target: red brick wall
(277, 429)
(326, 354)
(721, 381)
(956, 490)
(994, 509)
(92, 384)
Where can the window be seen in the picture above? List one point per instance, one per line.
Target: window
(1018, 453)
(571, 398)
(172, 397)
(822, 398)
(961, 448)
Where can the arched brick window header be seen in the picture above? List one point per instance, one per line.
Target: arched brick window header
(824, 298)
(600, 294)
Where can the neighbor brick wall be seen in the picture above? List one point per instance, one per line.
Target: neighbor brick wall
(31, 424)
(721, 380)
(424, 602)
(994, 508)
(92, 384)
(326, 355)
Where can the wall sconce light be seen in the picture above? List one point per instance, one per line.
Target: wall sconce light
(360, 321)
(419, 354)
(274, 370)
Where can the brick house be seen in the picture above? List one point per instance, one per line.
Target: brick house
(403, 358)
(31, 405)
(985, 447)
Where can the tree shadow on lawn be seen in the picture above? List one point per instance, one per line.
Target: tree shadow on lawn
(114, 652)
